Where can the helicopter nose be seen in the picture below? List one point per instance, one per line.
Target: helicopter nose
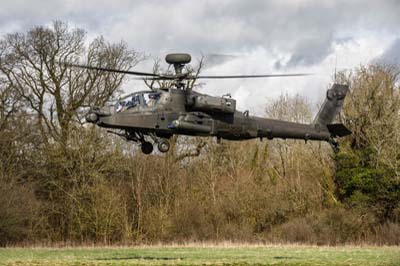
(92, 117)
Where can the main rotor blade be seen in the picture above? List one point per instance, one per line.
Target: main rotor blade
(162, 78)
(253, 76)
(226, 77)
(168, 77)
(114, 70)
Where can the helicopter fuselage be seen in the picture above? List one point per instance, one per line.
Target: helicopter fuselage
(160, 113)
(203, 116)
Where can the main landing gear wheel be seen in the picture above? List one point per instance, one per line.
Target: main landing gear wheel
(147, 147)
(163, 146)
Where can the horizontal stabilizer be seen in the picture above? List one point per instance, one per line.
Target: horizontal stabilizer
(338, 130)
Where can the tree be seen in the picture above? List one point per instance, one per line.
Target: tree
(34, 66)
(47, 146)
(368, 174)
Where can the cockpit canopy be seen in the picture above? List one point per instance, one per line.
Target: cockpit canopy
(143, 99)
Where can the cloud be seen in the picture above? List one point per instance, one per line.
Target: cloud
(209, 26)
(311, 51)
(211, 60)
(391, 54)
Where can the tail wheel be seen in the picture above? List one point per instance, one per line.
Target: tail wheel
(163, 146)
(147, 147)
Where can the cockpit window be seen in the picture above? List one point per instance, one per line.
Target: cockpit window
(119, 106)
(135, 100)
(150, 99)
(145, 99)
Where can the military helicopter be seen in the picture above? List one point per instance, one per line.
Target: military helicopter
(152, 117)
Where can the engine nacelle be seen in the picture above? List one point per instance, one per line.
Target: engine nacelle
(207, 103)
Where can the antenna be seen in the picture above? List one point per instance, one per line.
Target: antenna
(335, 64)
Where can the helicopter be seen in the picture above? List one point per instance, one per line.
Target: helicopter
(150, 118)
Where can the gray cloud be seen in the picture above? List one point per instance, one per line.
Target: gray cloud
(310, 51)
(211, 60)
(216, 27)
(392, 54)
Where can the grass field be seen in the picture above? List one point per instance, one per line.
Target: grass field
(197, 255)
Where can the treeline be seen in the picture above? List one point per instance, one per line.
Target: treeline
(65, 181)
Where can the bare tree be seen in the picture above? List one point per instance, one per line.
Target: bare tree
(372, 112)
(290, 108)
(33, 65)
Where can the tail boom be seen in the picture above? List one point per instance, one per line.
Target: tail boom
(322, 128)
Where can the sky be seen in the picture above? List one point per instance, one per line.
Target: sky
(235, 37)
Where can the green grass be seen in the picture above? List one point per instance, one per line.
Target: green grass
(265, 255)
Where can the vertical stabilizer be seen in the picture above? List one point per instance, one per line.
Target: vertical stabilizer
(331, 106)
